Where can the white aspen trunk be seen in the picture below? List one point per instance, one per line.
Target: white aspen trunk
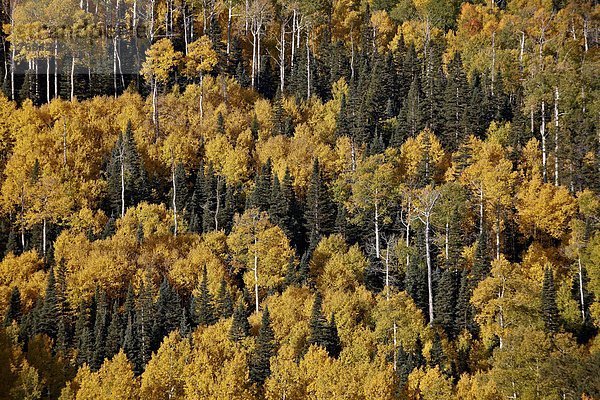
(23, 219)
(256, 273)
(72, 78)
(556, 135)
(122, 182)
(522, 48)
(201, 97)
(12, 73)
(480, 211)
(351, 56)
(585, 34)
(447, 242)
(174, 199)
(293, 36)
(115, 66)
(48, 98)
(64, 142)
(282, 59)
(429, 272)
(307, 67)
(44, 236)
(56, 68)
(185, 29)
(246, 16)
(229, 19)
(155, 104)
(353, 154)
(498, 236)
(387, 273)
(543, 135)
(581, 298)
(217, 207)
(493, 61)
(134, 18)
(253, 72)
(376, 220)
(408, 233)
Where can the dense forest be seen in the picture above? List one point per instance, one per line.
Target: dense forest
(300, 199)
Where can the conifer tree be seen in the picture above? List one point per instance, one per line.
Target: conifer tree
(334, 345)
(131, 345)
(205, 309)
(445, 301)
(464, 308)
(240, 327)
(114, 337)
(224, 301)
(184, 325)
(454, 105)
(261, 196)
(436, 354)
(100, 330)
(549, 308)
(167, 313)
(260, 365)
(319, 328)
(83, 335)
(404, 365)
(482, 262)
(320, 210)
(13, 313)
(48, 313)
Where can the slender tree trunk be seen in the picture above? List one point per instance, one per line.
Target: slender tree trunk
(493, 71)
(581, 298)
(376, 220)
(12, 73)
(217, 206)
(556, 135)
(174, 198)
(64, 142)
(44, 237)
(282, 59)
(429, 271)
(72, 78)
(256, 273)
(447, 242)
(481, 211)
(543, 135)
(56, 68)
(122, 182)
(498, 236)
(48, 98)
(307, 68)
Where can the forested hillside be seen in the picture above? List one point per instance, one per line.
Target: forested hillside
(300, 199)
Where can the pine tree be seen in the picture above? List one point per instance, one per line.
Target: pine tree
(482, 263)
(549, 308)
(100, 330)
(436, 354)
(445, 301)
(404, 366)
(464, 308)
(83, 335)
(180, 189)
(114, 337)
(167, 315)
(13, 313)
(320, 210)
(454, 105)
(260, 197)
(334, 346)
(205, 309)
(131, 345)
(224, 301)
(260, 365)
(318, 324)
(184, 326)
(48, 313)
(240, 327)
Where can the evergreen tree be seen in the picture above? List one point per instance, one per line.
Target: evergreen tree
(445, 301)
(48, 313)
(320, 210)
(260, 197)
(549, 308)
(83, 335)
(464, 308)
(240, 327)
(224, 301)
(100, 330)
(131, 345)
(319, 328)
(114, 337)
(13, 313)
(334, 346)
(167, 313)
(436, 354)
(404, 366)
(454, 105)
(482, 263)
(205, 309)
(260, 365)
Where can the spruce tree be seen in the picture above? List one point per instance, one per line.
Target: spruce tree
(224, 301)
(445, 301)
(260, 365)
(48, 313)
(100, 330)
(319, 328)
(464, 308)
(131, 345)
(83, 335)
(549, 308)
(260, 197)
(454, 105)
(482, 263)
(404, 366)
(436, 354)
(334, 346)
(320, 210)
(205, 309)
(13, 313)
(167, 313)
(240, 327)
(114, 337)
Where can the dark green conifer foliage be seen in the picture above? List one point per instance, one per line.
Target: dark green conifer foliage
(549, 307)
(12, 244)
(436, 354)
(109, 228)
(184, 326)
(144, 322)
(482, 263)
(83, 335)
(49, 311)
(445, 301)
(61, 345)
(453, 133)
(319, 212)
(100, 330)
(13, 313)
(464, 308)
(416, 282)
(334, 346)
(167, 316)
(224, 301)
(240, 327)
(319, 328)
(126, 163)
(197, 201)
(205, 309)
(410, 119)
(114, 337)
(131, 345)
(260, 364)
(261, 196)
(404, 366)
